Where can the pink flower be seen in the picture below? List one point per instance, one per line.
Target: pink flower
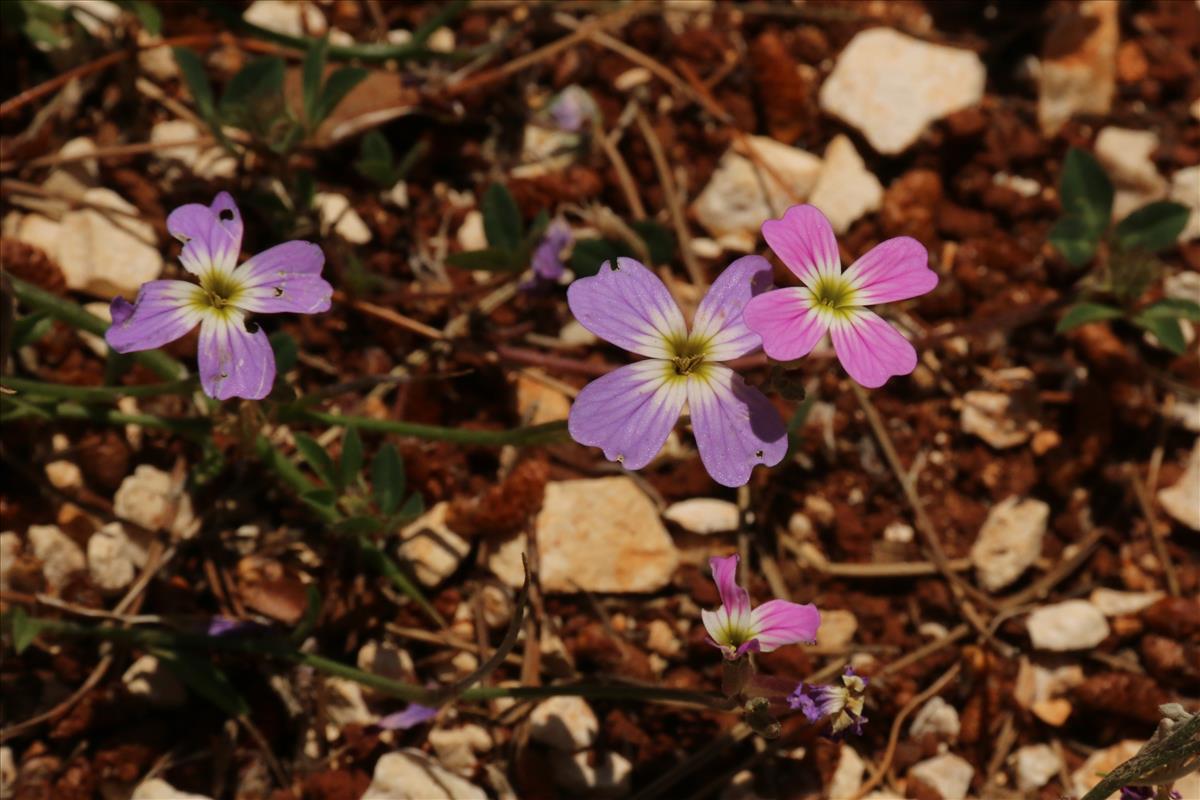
(737, 629)
(791, 321)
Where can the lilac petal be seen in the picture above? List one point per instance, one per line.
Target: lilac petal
(893, 270)
(870, 349)
(787, 323)
(628, 305)
(212, 235)
(736, 427)
(719, 320)
(805, 243)
(547, 258)
(406, 718)
(233, 361)
(629, 412)
(286, 277)
(734, 599)
(779, 622)
(162, 312)
(801, 699)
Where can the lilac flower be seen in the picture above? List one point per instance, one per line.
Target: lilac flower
(235, 356)
(791, 321)
(631, 411)
(547, 258)
(409, 717)
(572, 109)
(842, 702)
(737, 629)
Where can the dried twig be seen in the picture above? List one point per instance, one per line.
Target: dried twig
(1156, 532)
(674, 203)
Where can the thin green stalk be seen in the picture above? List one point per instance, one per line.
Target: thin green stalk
(77, 317)
(192, 428)
(545, 433)
(96, 394)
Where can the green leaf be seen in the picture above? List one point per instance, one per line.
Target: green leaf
(286, 351)
(1168, 331)
(29, 328)
(659, 239)
(387, 479)
(1085, 191)
(1083, 313)
(312, 612)
(378, 560)
(352, 456)
(1172, 308)
(311, 74)
(358, 526)
(492, 259)
(24, 629)
(336, 88)
(196, 79)
(589, 255)
(501, 218)
(376, 162)
(1074, 240)
(323, 500)
(202, 677)
(146, 13)
(319, 460)
(259, 80)
(1152, 227)
(413, 507)
(536, 228)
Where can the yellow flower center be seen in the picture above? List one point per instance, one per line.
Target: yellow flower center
(833, 293)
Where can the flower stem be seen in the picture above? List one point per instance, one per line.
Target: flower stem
(191, 428)
(96, 394)
(545, 433)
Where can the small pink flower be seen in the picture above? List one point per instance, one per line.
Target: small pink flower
(791, 321)
(737, 629)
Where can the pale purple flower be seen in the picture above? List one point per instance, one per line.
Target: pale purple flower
(842, 702)
(409, 717)
(234, 354)
(738, 629)
(547, 257)
(572, 109)
(631, 411)
(791, 321)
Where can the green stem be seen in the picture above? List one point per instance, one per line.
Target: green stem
(545, 433)
(77, 317)
(96, 394)
(191, 428)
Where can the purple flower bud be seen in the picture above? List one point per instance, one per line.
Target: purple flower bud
(842, 702)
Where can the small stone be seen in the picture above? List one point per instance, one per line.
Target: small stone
(632, 78)
(152, 499)
(1035, 765)
(847, 778)
(610, 774)
(598, 535)
(1182, 500)
(1026, 187)
(1185, 188)
(8, 774)
(661, 638)
(158, 789)
(1078, 69)
(704, 515)
(111, 558)
(457, 747)
(998, 418)
(846, 190)
(337, 215)
(545, 151)
(1009, 541)
(386, 660)
(209, 162)
(285, 16)
(441, 41)
(800, 526)
(706, 248)
(1044, 441)
(1070, 625)
(539, 403)
(1126, 156)
(891, 86)
(564, 723)
(898, 533)
(1054, 711)
(937, 717)
(59, 554)
(344, 705)
(733, 205)
(1113, 603)
(471, 234)
(838, 627)
(10, 551)
(820, 510)
(64, 475)
(431, 547)
(149, 680)
(1100, 763)
(573, 334)
(948, 775)
(412, 775)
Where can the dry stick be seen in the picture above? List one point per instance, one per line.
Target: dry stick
(534, 358)
(41, 90)
(894, 736)
(674, 205)
(814, 558)
(1156, 534)
(8, 185)
(924, 651)
(624, 176)
(1042, 587)
(116, 151)
(388, 315)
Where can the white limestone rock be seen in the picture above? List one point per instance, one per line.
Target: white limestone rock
(937, 717)
(1185, 188)
(412, 775)
(59, 554)
(458, 748)
(112, 558)
(337, 216)
(1113, 603)
(1035, 765)
(158, 789)
(610, 775)
(292, 17)
(209, 162)
(847, 778)
(1182, 500)
(564, 723)
(1069, 625)
(344, 705)
(891, 86)
(948, 775)
(150, 498)
(151, 681)
(704, 515)
(8, 774)
(846, 190)
(10, 550)
(433, 549)
(471, 234)
(1101, 762)
(1009, 541)
(838, 626)
(1125, 155)
(1077, 73)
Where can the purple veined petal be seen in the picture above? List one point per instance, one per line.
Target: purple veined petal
(212, 235)
(628, 305)
(870, 349)
(162, 312)
(233, 361)
(719, 320)
(629, 412)
(286, 277)
(893, 270)
(786, 322)
(410, 717)
(779, 622)
(735, 425)
(804, 241)
(735, 600)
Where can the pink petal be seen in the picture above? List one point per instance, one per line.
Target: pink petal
(212, 235)
(779, 622)
(162, 312)
(893, 270)
(736, 427)
(734, 599)
(786, 322)
(719, 320)
(804, 241)
(233, 361)
(870, 349)
(286, 277)
(628, 305)
(629, 412)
